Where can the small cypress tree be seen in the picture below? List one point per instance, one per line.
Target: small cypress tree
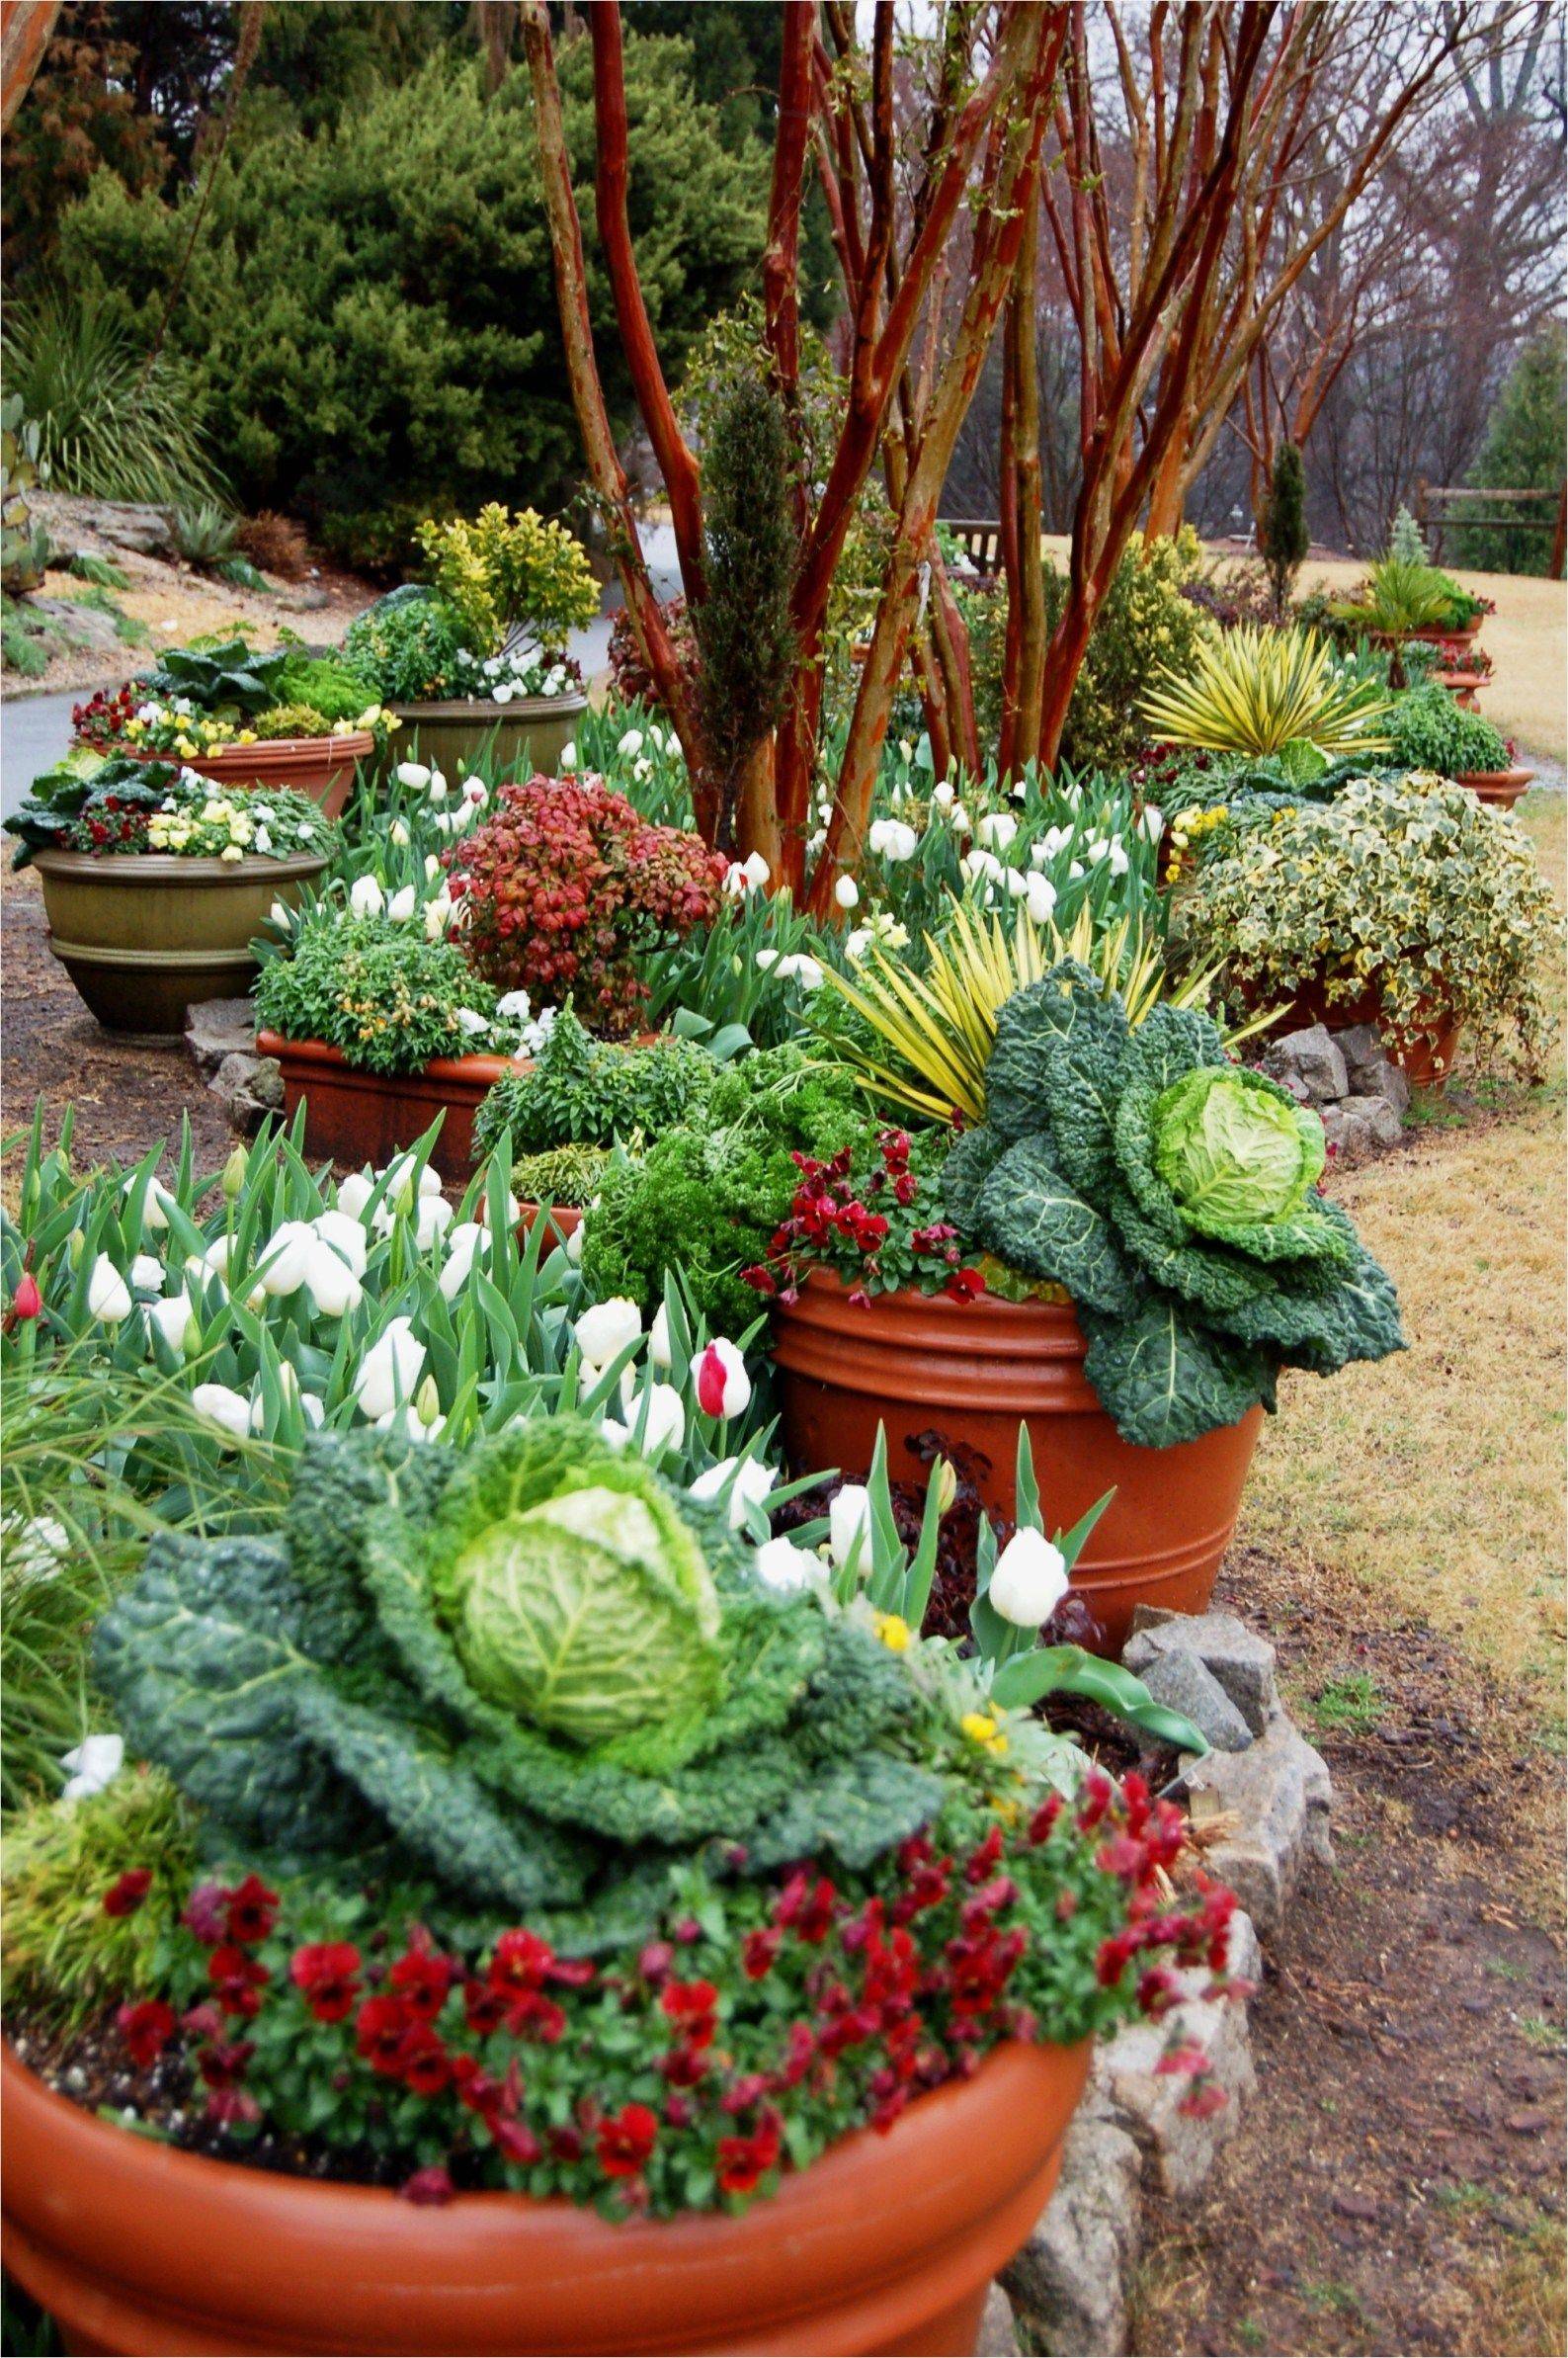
(745, 641)
(1286, 538)
(1407, 543)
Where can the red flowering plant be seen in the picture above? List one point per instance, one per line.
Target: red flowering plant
(565, 887)
(876, 1216)
(760, 2023)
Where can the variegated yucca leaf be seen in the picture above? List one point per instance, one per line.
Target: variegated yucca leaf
(1257, 691)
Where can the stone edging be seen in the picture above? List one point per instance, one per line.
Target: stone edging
(1267, 1796)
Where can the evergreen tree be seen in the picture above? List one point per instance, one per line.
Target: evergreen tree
(1524, 452)
(745, 641)
(1286, 538)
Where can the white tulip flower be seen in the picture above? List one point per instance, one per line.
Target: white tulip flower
(847, 892)
(850, 1526)
(748, 1481)
(438, 786)
(784, 1567)
(401, 905)
(397, 833)
(1120, 863)
(284, 1259)
(659, 1354)
(332, 1284)
(433, 1217)
(997, 829)
(94, 1763)
(413, 773)
(944, 794)
(366, 897)
(630, 743)
(390, 1370)
(1029, 1579)
(606, 1328)
(345, 1235)
(666, 1419)
(146, 1274)
(1153, 822)
(156, 1203)
(1040, 894)
(354, 1193)
(894, 839)
(221, 1405)
(108, 1294)
(568, 759)
(175, 1320)
(801, 966)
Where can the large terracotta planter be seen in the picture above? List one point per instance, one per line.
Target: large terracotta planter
(522, 736)
(973, 1372)
(888, 2244)
(1465, 687)
(144, 935)
(354, 1117)
(1503, 787)
(1424, 1059)
(321, 767)
(1455, 635)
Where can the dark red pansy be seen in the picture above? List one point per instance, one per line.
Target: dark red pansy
(423, 2062)
(428, 2187)
(625, 2140)
(250, 1911)
(744, 2160)
(691, 2006)
(326, 1973)
(127, 1891)
(422, 1980)
(146, 2030)
(379, 2030)
(237, 1980)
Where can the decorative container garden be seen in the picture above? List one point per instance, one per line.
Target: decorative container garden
(354, 1115)
(1503, 787)
(321, 767)
(886, 2244)
(513, 740)
(145, 936)
(1454, 635)
(974, 1371)
(1464, 684)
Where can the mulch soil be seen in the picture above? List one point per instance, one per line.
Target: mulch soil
(1396, 2184)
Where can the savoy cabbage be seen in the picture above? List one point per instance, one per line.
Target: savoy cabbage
(534, 1672)
(1173, 1195)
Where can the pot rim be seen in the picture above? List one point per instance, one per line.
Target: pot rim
(354, 743)
(469, 708)
(168, 868)
(1517, 775)
(828, 1284)
(332, 1059)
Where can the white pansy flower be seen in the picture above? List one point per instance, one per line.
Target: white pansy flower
(471, 1021)
(1029, 1579)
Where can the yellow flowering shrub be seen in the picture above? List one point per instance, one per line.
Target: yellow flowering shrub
(503, 573)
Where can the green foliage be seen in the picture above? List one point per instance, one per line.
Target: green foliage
(1169, 1192)
(221, 675)
(1286, 538)
(110, 424)
(307, 1697)
(504, 574)
(332, 685)
(587, 1092)
(25, 547)
(23, 643)
(406, 643)
(563, 1175)
(369, 323)
(1523, 450)
(1409, 888)
(64, 1958)
(292, 721)
(1267, 692)
(745, 638)
(1430, 729)
(375, 988)
(706, 1199)
(1407, 541)
(1146, 621)
(204, 533)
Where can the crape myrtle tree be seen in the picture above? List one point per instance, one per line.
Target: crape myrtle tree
(905, 145)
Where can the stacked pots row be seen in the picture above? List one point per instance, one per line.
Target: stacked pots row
(886, 2244)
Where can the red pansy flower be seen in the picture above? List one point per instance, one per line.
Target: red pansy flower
(127, 1891)
(327, 1974)
(146, 2030)
(625, 2140)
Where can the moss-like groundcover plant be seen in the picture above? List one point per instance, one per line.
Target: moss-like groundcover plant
(1173, 1194)
(552, 1849)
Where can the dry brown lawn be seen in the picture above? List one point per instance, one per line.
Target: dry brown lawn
(1435, 1479)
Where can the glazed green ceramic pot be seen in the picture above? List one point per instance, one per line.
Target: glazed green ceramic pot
(146, 935)
(520, 738)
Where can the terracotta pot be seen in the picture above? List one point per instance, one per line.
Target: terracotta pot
(144, 935)
(321, 767)
(354, 1117)
(564, 1219)
(973, 1372)
(1454, 635)
(1463, 687)
(526, 736)
(888, 2244)
(1423, 1059)
(1497, 786)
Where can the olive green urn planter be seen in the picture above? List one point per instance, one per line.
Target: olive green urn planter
(144, 935)
(529, 733)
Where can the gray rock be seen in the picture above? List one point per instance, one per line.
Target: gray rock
(305, 599)
(123, 524)
(1358, 1044)
(1312, 1057)
(83, 625)
(1147, 2103)
(1379, 1117)
(220, 1028)
(1241, 1661)
(249, 1086)
(1180, 1681)
(1279, 1795)
(1069, 2283)
(1346, 1129)
(998, 2335)
(1383, 1080)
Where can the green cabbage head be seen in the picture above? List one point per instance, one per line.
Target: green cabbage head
(591, 1611)
(1233, 1152)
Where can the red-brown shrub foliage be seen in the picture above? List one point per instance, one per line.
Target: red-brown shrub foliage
(565, 883)
(631, 676)
(275, 543)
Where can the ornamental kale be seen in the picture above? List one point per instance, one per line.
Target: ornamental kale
(1173, 1194)
(534, 1673)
